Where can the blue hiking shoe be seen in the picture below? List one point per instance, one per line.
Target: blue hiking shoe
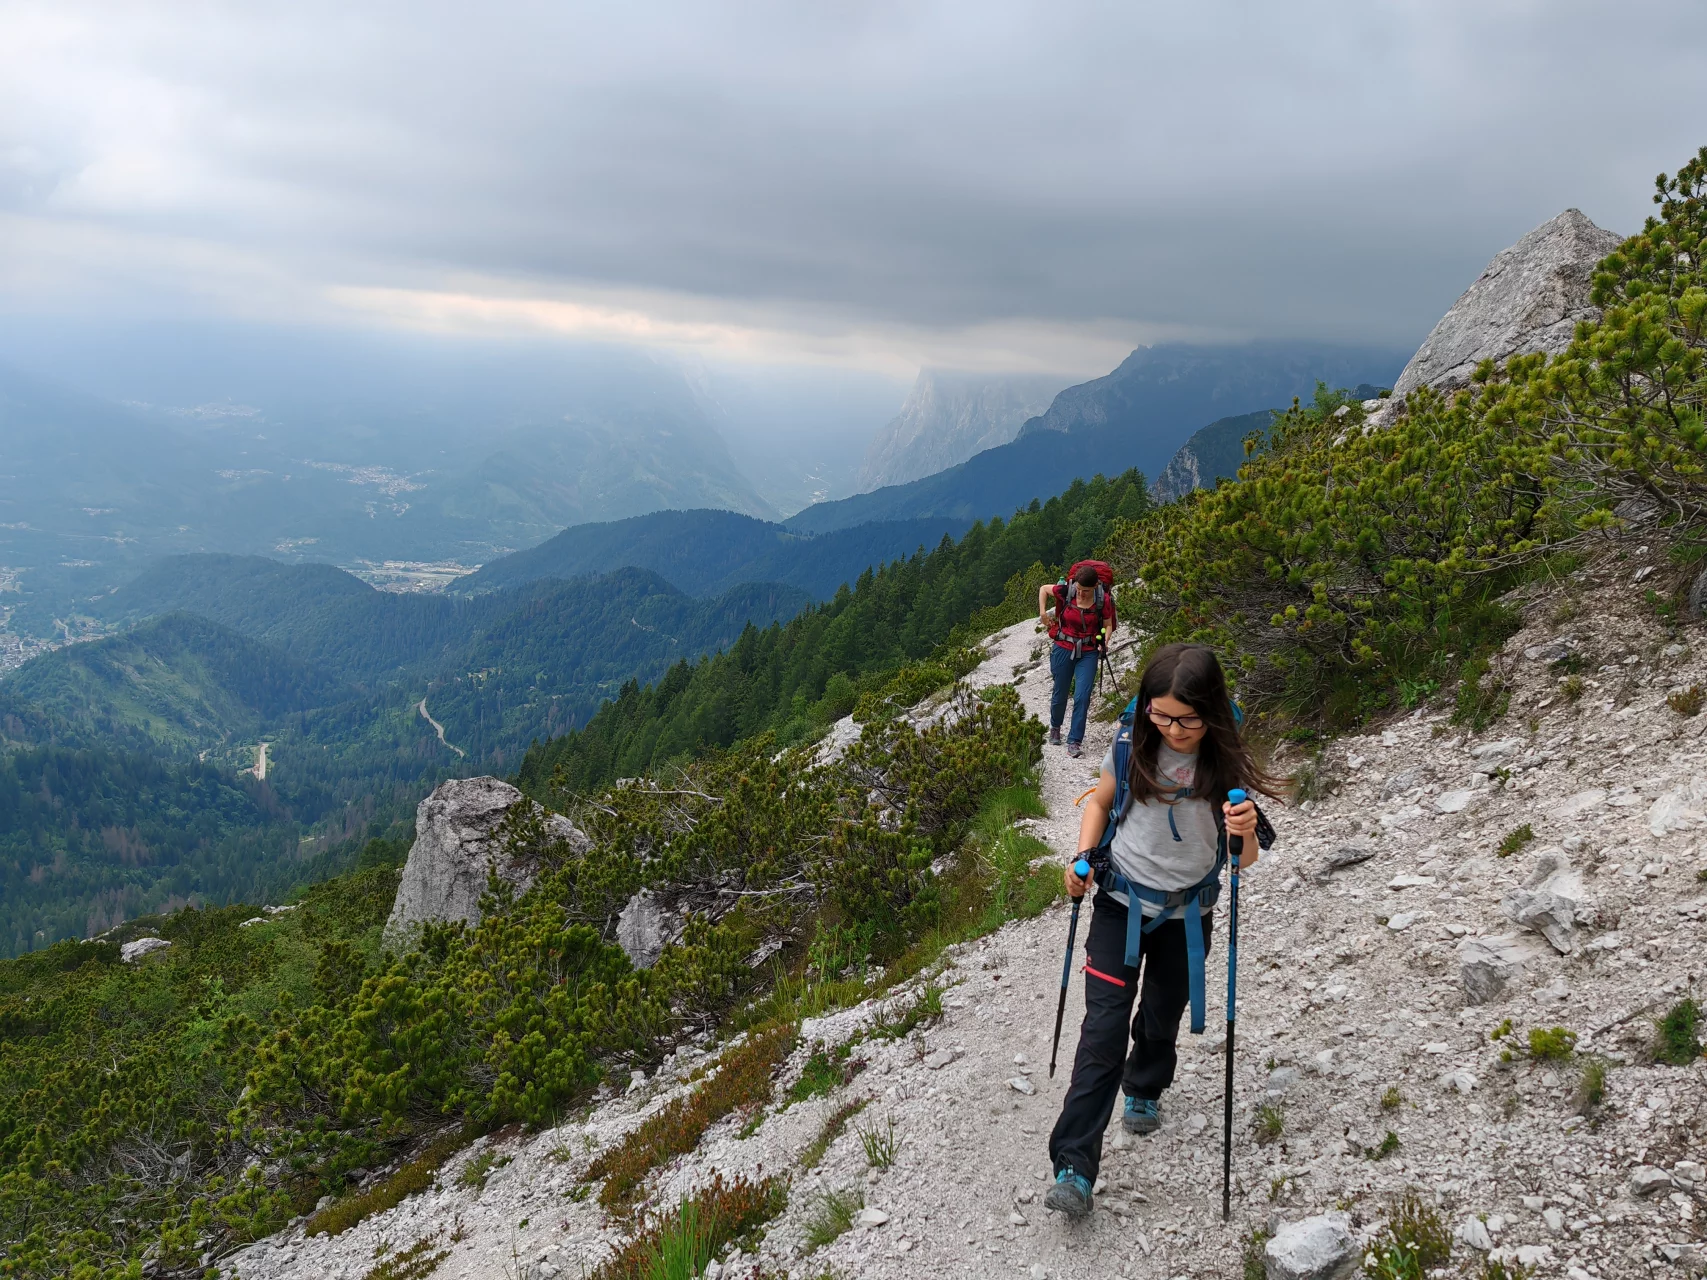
(1070, 1195)
(1143, 1115)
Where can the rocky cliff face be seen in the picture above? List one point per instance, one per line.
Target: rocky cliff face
(948, 417)
(1528, 299)
(457, 844)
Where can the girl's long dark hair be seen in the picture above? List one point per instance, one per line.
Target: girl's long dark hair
(1192, 674)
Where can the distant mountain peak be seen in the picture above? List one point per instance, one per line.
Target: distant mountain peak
(949, 416)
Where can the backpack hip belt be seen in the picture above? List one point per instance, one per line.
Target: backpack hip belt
(1189, 905)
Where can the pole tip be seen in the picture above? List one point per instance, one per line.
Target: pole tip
(1081, 868)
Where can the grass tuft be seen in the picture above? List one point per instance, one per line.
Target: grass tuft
(1253, 1259)
(1388, 1145)
(833, 1128)
(743, 1079)
(1269, 1122)
(1677, 1036)
(881, 1145)
(832, 1216)
(677, 1245)
(1392, 1099)
(1591, 1086)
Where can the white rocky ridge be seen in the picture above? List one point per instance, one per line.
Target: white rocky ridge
(948, 417)
(1336, 1010)
(1528, 299)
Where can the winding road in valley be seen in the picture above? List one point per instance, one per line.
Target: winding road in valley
(440, 729)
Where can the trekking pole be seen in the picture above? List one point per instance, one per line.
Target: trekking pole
(1082, 869)
(1235, 846)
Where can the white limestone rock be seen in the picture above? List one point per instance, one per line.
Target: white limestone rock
(131, 952)
(645, 928)
(457, 845)
(1552, 908)
(1487, 965)
(1680, 809)
(1319, 1248)
(1528, 299)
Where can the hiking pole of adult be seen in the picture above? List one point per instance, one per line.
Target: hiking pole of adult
(1082, 869)
(1236, 847)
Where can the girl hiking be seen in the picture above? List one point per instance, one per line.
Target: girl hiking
(1156, 840)
(1084, 619)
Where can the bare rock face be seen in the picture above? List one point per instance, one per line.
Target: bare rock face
(1552, 902)
(1529, 299)
(456, 846)
(645, 928)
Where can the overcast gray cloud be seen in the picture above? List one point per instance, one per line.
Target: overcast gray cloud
(881, 183)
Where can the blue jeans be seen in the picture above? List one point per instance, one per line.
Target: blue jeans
(1082, 676)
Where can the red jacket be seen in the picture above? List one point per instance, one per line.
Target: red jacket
(1073, 623)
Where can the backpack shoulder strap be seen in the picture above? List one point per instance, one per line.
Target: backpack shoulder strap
(1122, 772)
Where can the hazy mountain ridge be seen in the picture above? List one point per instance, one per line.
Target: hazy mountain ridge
(709, 552)
(948, 417)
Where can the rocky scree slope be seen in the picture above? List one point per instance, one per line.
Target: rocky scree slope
(1385, 943)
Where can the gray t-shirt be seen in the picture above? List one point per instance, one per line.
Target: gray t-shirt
(1147, 850)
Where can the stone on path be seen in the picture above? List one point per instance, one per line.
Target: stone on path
(1646, 1180)
(1319, 1248)
(871, 1218)
(1552, 908)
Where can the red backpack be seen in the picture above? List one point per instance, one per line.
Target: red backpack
(1105, 583)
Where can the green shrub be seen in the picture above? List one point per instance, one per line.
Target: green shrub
(1687, 702)
(1411, 1242)
(1515, 839)
(1386, 1147)
(1551, 1044)
(1392, 1099)
(416, 1262)
(1677, 1037)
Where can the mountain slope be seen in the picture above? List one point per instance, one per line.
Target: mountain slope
(1137, 416)
(708, 552)
(180, 680)
(950, 416)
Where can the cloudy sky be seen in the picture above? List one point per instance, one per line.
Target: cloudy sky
(881, 185)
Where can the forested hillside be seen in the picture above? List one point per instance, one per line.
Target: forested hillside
(798, 678)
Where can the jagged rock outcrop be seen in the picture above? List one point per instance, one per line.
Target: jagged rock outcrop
(457, 844)
(948, 417)
(1528, 299)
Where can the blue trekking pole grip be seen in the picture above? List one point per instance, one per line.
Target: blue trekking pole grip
(1082, 869)
(1236, 848)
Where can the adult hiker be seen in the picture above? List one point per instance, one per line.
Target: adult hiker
(1084, 619)
(1155, 832)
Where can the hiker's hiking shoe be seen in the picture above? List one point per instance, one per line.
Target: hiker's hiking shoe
(1055, 736)
(1070, 1195)
(1143, 1115)
(1075, 750)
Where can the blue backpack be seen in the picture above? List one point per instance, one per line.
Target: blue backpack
(1187, 903)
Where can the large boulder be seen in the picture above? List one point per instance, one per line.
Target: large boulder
(457, 846)
(646, 927)
(1529, 299)
(1319, 1248)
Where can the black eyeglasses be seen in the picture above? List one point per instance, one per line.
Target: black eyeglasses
(1162, 721)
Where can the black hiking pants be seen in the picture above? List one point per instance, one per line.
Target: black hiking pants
(1102, 1067)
